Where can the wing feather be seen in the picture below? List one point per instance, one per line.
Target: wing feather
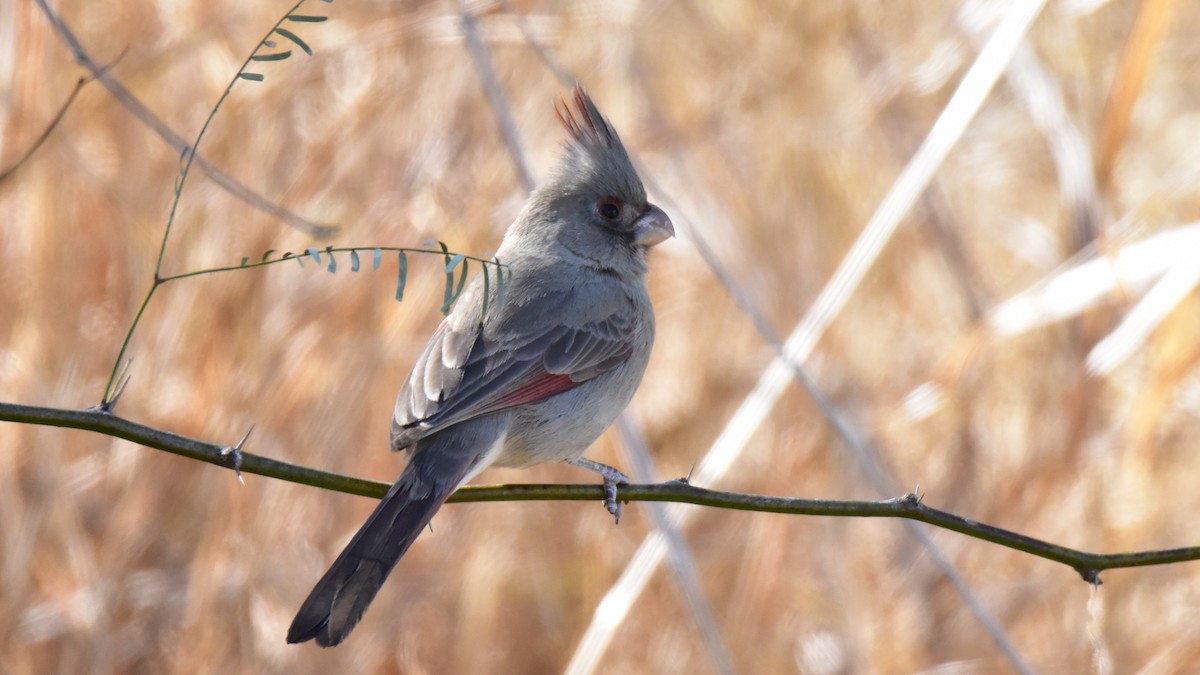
(465, 374)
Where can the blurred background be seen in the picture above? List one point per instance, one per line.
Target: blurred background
(771, 132)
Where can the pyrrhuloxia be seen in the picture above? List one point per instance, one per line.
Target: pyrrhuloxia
(536, 379)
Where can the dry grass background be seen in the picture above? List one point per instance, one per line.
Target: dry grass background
(777, 127)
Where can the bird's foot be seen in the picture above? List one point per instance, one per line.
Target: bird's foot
(612, 478)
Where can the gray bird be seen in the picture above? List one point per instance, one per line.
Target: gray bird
(535, 379)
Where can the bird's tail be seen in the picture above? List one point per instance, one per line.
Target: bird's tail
(343, 594)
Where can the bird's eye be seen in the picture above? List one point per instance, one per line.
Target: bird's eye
(609, 209)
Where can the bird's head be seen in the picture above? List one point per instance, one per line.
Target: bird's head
(594, 204)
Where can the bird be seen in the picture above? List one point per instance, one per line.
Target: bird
(534, 376)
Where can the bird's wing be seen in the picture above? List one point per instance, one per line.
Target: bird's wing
(510, 362)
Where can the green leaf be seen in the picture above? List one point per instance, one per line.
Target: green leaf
(462, 281)
(316, 255)
(453, 262)
(295, 40)
(353, 260)
(332, 261)
(305, 18)
(267, 255)
(253, 77)
(379, 258)
(401, 277)
(269, 44)
(277, 56)
(244, 261)
(452, 291)
(289, 254)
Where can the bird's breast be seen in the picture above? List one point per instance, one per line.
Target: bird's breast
(563, 426)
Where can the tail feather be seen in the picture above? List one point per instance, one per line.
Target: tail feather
(339, 599)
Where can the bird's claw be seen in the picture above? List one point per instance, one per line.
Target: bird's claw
(612, 478)
(610, 500)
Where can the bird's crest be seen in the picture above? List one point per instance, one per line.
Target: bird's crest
(599, 158)
(590, 129)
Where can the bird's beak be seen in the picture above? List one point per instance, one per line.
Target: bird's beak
(652, 228)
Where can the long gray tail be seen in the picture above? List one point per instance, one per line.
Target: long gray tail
(343, 594)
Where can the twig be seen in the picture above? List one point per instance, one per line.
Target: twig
(500, 107)
(147, 117)
(548, 57)
(62, 112)
(910, 506)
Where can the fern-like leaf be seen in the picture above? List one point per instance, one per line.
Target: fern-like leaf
(295, 40)
(277, 56)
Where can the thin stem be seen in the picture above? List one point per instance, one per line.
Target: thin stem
(110, 387)
(191, 151)
(338, 249)
(58, 118)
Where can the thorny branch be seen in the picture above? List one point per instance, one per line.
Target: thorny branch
(910, 506)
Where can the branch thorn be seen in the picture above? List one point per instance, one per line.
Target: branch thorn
(235, 453)
(107, 405)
